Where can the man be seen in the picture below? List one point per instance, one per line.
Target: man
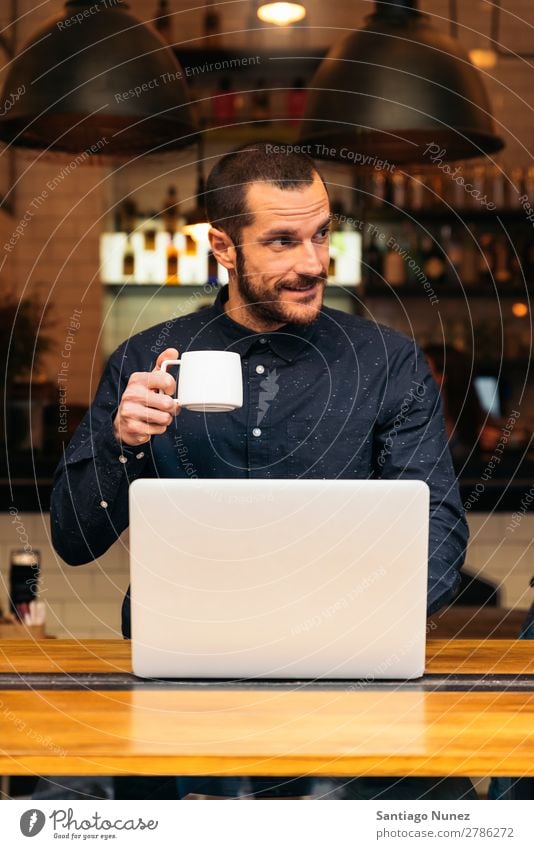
(326, 394)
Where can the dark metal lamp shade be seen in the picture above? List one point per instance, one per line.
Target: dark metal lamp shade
(393, 88)
(97, 79)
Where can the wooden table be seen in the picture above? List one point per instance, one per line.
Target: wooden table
(73, 708)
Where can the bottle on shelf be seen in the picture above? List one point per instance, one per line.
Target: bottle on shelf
(224, 103)
(517, 187)
(127, 215)
(296, 100)
(128, 261)
(190, 245)
(211, 26)
(149, 234)
(468, 270)
(127, 219)
(498, 187)
(399, 190)
(163, 21)
(486, 258)
(454, 251)
(415, 260)
(436, 189)
(260, 103)
(529, 184)
(394, 262)
(24, 576)
(332, 268)
(171, 223)
(434, 265)
(503, 268)
(479, 181)
(373, 264)
(172, 275)
(170, 211)
(149, 246)
(416, 191)
(378, 189)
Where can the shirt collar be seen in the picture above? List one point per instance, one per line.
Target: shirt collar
(288, 341)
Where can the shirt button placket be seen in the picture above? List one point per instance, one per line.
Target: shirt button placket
(257, 445)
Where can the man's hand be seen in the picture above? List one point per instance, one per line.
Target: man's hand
(143, 410)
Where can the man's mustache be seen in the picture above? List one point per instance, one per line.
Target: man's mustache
(303, 281)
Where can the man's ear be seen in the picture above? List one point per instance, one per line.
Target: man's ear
(223, 248)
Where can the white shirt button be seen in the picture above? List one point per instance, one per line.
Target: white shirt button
(263, 340)
(123, 459)
(140, 455)
(104, 504)
(256, 431)
(260, 369)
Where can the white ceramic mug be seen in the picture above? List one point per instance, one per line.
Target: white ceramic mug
(209, 381)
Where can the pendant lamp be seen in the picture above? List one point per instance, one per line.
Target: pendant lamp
(97, 79)
(392, 89)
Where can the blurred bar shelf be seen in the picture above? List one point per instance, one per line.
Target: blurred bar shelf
(448, 290)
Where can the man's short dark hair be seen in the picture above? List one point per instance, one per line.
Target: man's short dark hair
(227, 184)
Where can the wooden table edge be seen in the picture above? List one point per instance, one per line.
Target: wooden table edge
(71, 656)
(350, 766)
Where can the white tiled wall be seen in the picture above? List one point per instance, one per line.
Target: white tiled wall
(503, 554)
(85, 601)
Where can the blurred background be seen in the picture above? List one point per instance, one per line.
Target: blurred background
(100, 241)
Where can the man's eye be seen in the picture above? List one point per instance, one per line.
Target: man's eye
(323, 234)
(282, 241)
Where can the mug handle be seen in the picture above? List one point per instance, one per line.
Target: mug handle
(165, 365)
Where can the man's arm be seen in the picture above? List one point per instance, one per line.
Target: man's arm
(410, 442)
(110, 449)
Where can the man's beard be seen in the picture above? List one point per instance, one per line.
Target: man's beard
(267, 307)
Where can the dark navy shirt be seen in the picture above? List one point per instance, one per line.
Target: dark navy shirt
(340, 398)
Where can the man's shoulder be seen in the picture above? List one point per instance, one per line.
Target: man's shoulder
(360, 330)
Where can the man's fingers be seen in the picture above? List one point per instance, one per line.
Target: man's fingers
(154, 380)
(147, 406)
(133, 411)
(139, 432)
(168, 354)
(149, 398)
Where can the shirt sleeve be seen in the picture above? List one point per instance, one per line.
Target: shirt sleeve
(411, 443)
(89, 502)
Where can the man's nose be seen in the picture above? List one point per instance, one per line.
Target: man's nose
(308, 261)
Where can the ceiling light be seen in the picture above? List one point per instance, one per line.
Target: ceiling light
(96, 76)
(394, 89)
(281, 14)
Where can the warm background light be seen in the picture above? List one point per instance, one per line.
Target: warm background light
(281, 14)
(520, 310)
(485, 59)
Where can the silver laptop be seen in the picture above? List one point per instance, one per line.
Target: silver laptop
(278, 578)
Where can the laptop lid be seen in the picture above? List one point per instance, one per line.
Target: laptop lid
(268, 578)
